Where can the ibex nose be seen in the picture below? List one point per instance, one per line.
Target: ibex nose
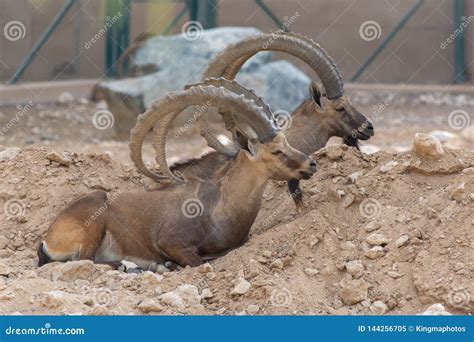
(370, 127)
(312, 163)
(313, 166)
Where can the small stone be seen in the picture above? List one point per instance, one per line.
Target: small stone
(253, 268)
(377, 239)
(158, 290)
(4, 270)
(458, 193)
(311, 272)
(241, 287)
(160, 269)
(435, 310)
(378, 307)
(100, 310)
(149, 305)
(172, 299)
(206, 294)
(277, 263)
(53, 299)
(355, 176)
(348, 246)
(189, 294)
(150, 278)
(9, 153)
(267, 254)
(205, 268)
(371, 226)
(375, 252)
(395, 274)
(253, 309)
(402, 240)
(60, 158)
(353, 291)
(387, 167)
(65, 98)
(211, 276)
(427, 146)
(355, 268)
(348, 200)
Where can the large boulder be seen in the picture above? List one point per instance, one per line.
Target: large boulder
(167, 63)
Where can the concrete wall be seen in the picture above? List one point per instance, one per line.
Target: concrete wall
(414, 56)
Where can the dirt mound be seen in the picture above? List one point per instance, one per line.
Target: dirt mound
(383, 233)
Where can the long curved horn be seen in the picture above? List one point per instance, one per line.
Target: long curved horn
(238, 89)
(169, 107)
(228, 63)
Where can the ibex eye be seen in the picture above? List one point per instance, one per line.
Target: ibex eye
(340, 109)
(277, 152)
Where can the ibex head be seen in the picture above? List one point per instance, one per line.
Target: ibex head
(340, 116)
(281, 161)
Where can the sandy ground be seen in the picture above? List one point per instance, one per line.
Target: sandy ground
(383, 233)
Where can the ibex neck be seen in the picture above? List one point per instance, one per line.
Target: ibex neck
(308, 132)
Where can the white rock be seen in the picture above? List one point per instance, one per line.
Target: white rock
(4, 269)
(378, 307)
(402, 240)
(189, 294)
(426, 146)
(172, 299)
(375, 252)
(65, 97)
(468, 133)
(376, 239)
(253, 309)
(369, 149)
(348, 246)
(53, 299)
(355, 268)
(241, 287)
(387, 167)
(435, 310)
(9, 153)
(60, 158)
(206, 294)
(150, 278)
(311, 272)
(205, 268)
(149, 305)
(353, 291)
(355, 176)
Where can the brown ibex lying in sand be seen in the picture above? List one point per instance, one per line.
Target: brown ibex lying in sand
(158, 226)
(313, 122)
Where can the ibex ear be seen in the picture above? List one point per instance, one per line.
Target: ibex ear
(315, 93)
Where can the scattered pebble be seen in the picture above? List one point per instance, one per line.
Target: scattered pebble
(378, 307)
(427, 146)
(377, 239)
(375, 252)
(241, 287)
(402, 240)
(355, 268)
(311, 272)
(353, 291)
(149, 305)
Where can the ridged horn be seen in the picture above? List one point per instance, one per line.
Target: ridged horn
(169, 107)
(228, 62)
(238, 89)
